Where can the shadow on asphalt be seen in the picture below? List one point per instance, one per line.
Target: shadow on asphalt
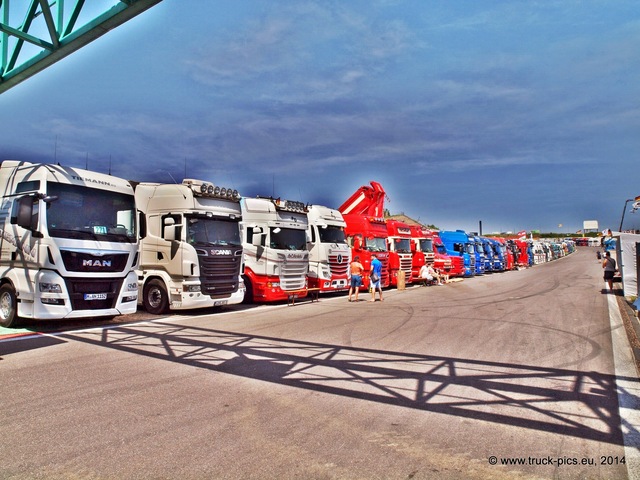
(503, 393)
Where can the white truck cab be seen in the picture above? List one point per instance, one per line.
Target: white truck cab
(68, 243)
(190, 246)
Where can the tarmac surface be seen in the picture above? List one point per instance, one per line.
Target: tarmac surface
(511, 375)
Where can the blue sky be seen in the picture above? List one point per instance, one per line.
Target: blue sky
(519, 114)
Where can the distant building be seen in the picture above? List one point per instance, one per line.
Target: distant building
(589, 226)
(405, 219)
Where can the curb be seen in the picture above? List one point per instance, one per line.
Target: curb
(632, 326)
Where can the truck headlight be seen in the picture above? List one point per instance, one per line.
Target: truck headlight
(50, 287)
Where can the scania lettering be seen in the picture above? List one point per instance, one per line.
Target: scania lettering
(68, 243)
(276, 259)
(191, 251)
(329, 254)
(366, 229)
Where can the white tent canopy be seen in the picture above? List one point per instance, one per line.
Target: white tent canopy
(627, 250)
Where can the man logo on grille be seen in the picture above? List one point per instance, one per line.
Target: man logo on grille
(96, 263)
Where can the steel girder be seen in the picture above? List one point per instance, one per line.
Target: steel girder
(53, 36)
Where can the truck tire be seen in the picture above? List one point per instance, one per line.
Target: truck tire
(155, 298)
(248, 292)
(8, 307)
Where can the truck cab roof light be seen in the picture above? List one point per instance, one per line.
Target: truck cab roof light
(288, 205)
(208, 189)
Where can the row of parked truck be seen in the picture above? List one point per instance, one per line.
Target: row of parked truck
(77, 243)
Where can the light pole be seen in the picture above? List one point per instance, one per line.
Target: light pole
(624, 210)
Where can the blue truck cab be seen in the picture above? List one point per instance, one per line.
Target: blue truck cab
(499, 256)
(488, 254)
(479, 254)
(457, 243)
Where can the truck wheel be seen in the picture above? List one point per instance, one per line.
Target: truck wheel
(8, 307)
(248, 291)
(155, 298)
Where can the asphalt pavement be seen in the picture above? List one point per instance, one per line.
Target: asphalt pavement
(511, 375)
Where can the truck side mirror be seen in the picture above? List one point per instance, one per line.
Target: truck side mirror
(142, 220)
(256, 239)
(22, 214)
(357, 243)
(172, 230)
(256, 236)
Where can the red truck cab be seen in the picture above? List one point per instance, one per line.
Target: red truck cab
(428, 248)
(366, 228)
(367, 237)
(400, 251)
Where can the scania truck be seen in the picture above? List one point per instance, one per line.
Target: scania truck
(367, 229)
(428, 248)
(276, 259)
(452, 264)
(422, 248)
(69, 246)
(400, 253)
(481, 266)
(190, 247)
(458, 244)
(329, 253)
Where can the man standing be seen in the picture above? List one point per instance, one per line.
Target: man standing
(356, 277)
(609, 265)
(375, 277)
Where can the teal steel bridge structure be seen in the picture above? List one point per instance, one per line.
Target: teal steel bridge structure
(35, 34)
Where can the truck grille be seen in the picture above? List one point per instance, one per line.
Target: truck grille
(219, 271)
(339, 263)
(293, 272)
(86, 262)
(405, 264)
(77, 289)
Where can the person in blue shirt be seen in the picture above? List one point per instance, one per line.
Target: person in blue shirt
(376, 271)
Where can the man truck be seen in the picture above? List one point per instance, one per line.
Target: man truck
(329, 253)
(190, 247)
(276, 259)
(69, 245)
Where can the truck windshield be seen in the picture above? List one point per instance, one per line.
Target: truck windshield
(426, 245)
(402, 245)
(376, 244)
(212, 231)
(287, 238)
(332, 234)
(470, 249)
(81, 212)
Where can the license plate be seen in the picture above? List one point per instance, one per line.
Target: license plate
(95, 296)
(217, 303)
